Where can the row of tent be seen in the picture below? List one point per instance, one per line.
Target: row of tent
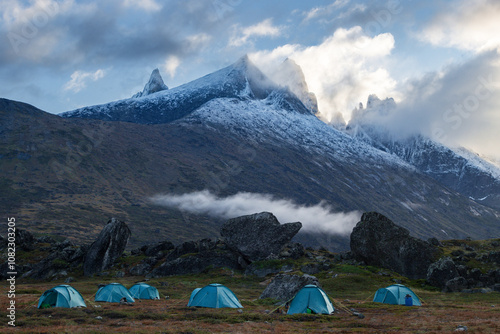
(310, 299)
(67, 296)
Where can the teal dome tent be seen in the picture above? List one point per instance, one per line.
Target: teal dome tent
(311, 299)
(113, 293)
(61, 296)
(144, 291)
(214, 296)
(395, 295)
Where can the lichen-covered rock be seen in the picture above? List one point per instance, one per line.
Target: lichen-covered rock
(197, 263)
(441, 272)
(158, 249)
(284, 287)
(258, 236)
(377, 241)
(108, 247)
(456, 284)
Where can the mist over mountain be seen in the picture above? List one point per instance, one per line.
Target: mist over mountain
(456, 168)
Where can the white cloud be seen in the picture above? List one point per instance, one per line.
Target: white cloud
(197, 41)
(341, 71)
(470, 25)
(147, 5)
(171, 65)
(79, 79)
(316, 218)
(457, 106)
(261, 29)
(317, 12)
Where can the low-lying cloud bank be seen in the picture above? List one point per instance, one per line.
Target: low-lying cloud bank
(318, 218)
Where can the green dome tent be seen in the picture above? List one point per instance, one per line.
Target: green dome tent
(113, 293)
(214, 296)
(144, 291)
(395, 295)
(311, 298)
(61, 296)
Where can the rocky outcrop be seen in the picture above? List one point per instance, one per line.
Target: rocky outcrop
(108, 247)
(450, 277)
(157, 249)
(441, 272)
(197, 263)
(24, 240)
(258, 236)
(377, 241)
(191, 257)
(284, 287)
(63, 257)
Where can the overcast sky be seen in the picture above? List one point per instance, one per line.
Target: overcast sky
(437, 58)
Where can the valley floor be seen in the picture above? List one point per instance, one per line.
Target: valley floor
(350, 288)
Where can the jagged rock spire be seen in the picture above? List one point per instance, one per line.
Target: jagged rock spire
(155, 84)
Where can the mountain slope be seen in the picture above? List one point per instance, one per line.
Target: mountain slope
(242, 133)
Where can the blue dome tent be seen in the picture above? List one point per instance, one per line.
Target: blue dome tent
(61, 296)
(311, 298)
(214, 296)
(113, 293)
(144, 291)
(395, 295)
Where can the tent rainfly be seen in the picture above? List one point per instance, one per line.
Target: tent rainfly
(395, 294)
(113, 293)
(61, 296)
(214, 296)
(144, 291)
(311, 299)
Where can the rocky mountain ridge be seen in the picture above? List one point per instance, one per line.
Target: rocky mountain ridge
(456, 168)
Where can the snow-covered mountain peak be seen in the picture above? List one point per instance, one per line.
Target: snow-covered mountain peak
(242, 80)
(290, 76)
(375, 108)
(155, 84)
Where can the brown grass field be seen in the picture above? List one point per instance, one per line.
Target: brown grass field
(352, 288)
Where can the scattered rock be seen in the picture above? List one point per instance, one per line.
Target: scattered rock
(456, 284)
(24, 240)
(441, 272)
(294, 250)
(108, 247)
(141, 269)
(155, 249)
(69, 280)
(197, 263)
(311, 268)
(434, 242)
(377, 241)
(259, 235)
(284, 287)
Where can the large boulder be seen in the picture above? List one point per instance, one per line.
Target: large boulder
(442, 271)
(377, 241)
(108, 247)
(259, 235)
(456, 284)
(284, 287)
